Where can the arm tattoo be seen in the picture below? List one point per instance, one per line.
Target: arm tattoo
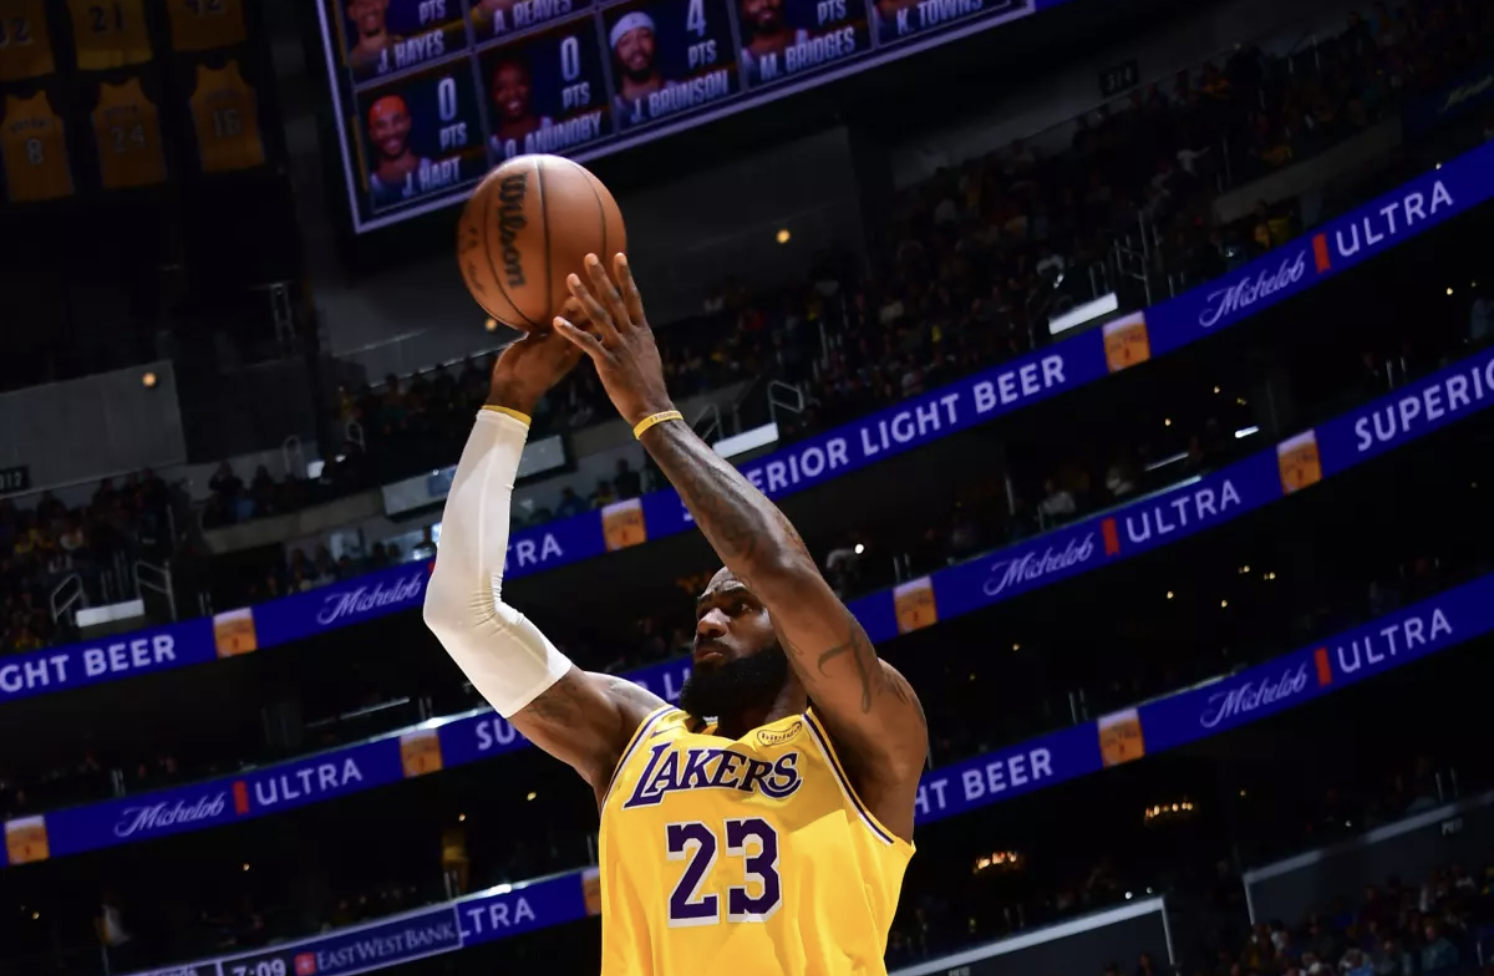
(863, 655)
(737, 519)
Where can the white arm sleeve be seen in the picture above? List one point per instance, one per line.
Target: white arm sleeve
(505, 656)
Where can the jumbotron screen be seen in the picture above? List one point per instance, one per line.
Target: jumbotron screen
(431, 94)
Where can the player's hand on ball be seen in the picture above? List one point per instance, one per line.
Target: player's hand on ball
(528, 368)
(618, 339)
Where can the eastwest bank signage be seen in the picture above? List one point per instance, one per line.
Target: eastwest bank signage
(1085, 358)
(1194, 506)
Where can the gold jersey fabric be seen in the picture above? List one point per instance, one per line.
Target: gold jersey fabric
(754, 854)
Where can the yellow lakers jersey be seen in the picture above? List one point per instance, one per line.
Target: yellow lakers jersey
(128, 131)
(35, 149)
(752, 853)
(25, 43)
(109, 33)
(226, 114)
(202, 25)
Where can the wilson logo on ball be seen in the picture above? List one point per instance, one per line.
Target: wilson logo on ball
(511, 220)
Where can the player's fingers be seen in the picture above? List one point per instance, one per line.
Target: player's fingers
(601, 320)
(584, 341)
(604, 289)
(632, 300)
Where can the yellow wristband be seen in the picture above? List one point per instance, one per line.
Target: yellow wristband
(522, 418)
(655, 419)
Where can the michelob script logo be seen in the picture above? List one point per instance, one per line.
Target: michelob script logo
(915, 605)
(1032, 566)
(1126, 342)
(1250, 696)
(1246, 292)
(622, 524)
(144, 820)
(353, 603)
(1467, 93)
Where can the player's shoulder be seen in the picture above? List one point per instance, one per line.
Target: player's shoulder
(636, 697)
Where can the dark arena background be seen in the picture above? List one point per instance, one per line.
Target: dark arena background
(1125, 364)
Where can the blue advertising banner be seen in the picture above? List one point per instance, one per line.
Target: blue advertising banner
(1147, 523)
(1435, 624)
(1417, 206)
(484, 917)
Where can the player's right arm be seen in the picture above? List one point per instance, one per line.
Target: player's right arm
(580, 718)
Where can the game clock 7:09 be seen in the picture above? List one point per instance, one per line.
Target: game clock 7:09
(431, 94)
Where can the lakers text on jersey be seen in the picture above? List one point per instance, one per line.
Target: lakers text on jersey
(128, 130)
(226, 115)
(205, 25)
(35, 149)
(755, 850)
(25, 43)
(109, 33)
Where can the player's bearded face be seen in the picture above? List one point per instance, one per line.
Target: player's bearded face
(635, 50)
(733, 685)
(739, 663)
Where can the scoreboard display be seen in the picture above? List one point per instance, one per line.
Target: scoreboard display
(431, 94)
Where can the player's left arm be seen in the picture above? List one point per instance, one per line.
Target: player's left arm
(868, 707)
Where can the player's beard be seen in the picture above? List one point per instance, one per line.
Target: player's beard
(735, 686)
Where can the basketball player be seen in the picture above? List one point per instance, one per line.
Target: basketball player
(763, 19)
(369, 20)
(766, 822)
(632, 40)
(511, 91)
(392, 179)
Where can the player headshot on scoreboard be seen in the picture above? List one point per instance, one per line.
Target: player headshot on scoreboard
(395, 162)
(669, 58)
(784, 38)
(512, 90)
(369, 37)
(423, 136)
(386, 36)
(546, 92)
(498, 18)
(901, 19)
(766, 38)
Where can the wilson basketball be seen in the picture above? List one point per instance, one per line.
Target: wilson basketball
(531, 222)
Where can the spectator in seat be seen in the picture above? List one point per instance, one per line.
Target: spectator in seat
(224, 483)
(627, 482)
(570, 505)
(117, 942)
(604, 494)
(1438, 955)
(1392, 960)
(1058, 504)
(262, 492)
